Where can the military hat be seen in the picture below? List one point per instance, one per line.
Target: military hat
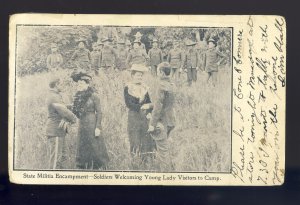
(121, 41)
(139, 68)
(138, 34)
(137, 41)
(54, 45)
(105, 39)
(155, 40)
(80, 75)
(81, 40)
(99, 42)
(128, 42)
(190, 43)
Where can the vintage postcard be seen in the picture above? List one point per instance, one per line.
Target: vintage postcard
(147, 99)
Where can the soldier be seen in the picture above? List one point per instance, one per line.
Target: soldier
(82, 57)
(58, 121)
(211, 61)
(163, 119)
(128, 46)
(138, 37)
(95, 55)
(191, 62)
(155, 56)
(176, 58)
(122, 55)
(137, 55)
(55, 59)
(108, 56)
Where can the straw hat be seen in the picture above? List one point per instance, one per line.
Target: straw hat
(190, 43)
(139, 67)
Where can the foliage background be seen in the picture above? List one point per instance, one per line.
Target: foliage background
(34, 43)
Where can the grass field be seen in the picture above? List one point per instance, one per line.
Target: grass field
(200, 141)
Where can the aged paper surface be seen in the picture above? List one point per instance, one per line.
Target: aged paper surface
(205, 106)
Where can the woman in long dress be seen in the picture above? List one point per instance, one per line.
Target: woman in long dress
(139, 106)
(91, 148)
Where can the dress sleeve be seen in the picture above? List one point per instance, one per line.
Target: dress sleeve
(130, 101)
(97, 104)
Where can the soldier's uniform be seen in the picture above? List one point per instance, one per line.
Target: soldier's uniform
(56, 134)
(122, 57)
(108, 57)
(54, 60)
(163, 120)
(137, 56)
(211, 61)
(176, 59)
(138, 37)
(95, 58)
(192, 62)
(82, 58)
(155, 58)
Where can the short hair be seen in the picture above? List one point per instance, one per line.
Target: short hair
(166, 70)
(133, 72)
(53, 82)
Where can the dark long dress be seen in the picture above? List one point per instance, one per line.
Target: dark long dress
(140, 141)
(91, 150)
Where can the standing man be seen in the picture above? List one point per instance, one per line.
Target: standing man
(155, 56)
(122, 55)
(163, 118)
(58, 121)
(108, 56)
(137, 55)
(95, 55)
(211, 61)
(191, 62)
(55, 59)
(176, 60)
(82, 57)
(128, 46)
(138, 37)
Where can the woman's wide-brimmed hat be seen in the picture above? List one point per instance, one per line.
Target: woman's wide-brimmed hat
(80, 75)
(138, 67)
(105, 39)
(190, 43)
(212, 40)
(164, 65)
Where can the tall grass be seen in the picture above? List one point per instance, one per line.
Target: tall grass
(200, 141)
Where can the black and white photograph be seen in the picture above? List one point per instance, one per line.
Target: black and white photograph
(145, 99)
(126, 98)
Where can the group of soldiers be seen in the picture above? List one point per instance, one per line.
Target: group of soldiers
(107, 58)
